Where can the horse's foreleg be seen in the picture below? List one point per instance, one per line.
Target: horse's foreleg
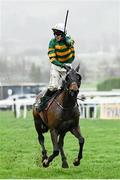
(77, 134)
(54, 138)
(63, 157)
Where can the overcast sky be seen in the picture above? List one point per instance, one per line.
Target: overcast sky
(92, 23)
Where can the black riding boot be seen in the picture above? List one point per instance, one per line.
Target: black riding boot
(44, 100)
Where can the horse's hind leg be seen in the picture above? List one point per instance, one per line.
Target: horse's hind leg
(54, 137)
(63, 157)
(41, 140)
(77, 134)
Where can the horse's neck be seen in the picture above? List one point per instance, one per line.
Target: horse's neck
(69, 100)
(66, 100)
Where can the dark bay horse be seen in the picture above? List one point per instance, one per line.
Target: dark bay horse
(60, 116)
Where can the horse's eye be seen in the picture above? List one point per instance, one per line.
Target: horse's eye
(78, 77)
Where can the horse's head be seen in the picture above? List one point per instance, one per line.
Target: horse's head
(72, 81)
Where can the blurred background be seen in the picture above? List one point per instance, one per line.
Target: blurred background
(25, 31)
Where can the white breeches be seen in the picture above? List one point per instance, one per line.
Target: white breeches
(57, 74)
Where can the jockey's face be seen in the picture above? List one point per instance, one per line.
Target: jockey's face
(58, 38)
(58, 35)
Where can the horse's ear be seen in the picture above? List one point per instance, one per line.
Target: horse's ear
(78, 67)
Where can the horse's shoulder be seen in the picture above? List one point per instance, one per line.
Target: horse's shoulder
(59, 93)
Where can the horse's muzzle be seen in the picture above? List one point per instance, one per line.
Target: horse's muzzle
(73, 93)
(73, 89)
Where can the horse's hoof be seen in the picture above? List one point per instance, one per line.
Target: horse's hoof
(45, 163)
(44, 158)
(76, 162)
(65, 165)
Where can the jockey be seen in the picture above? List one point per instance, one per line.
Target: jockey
(61, 53)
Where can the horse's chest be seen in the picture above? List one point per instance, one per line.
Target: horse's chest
(67, 125)
(70, 115)
(68, 120)
(59, 118)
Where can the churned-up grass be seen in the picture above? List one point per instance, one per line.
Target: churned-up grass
(20, 155)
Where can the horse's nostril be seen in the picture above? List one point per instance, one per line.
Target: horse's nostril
(74, 92)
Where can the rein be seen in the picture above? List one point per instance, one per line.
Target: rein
(67, 108)
(80, 99)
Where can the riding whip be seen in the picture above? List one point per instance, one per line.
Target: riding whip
(66, 20)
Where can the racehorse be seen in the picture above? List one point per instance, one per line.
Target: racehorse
(60, 116)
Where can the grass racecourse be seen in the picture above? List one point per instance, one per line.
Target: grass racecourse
(20, 152)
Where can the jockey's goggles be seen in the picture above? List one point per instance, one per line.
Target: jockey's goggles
(58, 33)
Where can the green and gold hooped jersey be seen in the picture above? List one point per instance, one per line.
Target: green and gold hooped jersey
(61, 52)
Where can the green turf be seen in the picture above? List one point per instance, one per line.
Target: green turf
(20, 152)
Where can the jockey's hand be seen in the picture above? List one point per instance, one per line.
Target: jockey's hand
(69, 41)
(66, 67)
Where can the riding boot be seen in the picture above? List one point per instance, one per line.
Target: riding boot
(44, 100)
